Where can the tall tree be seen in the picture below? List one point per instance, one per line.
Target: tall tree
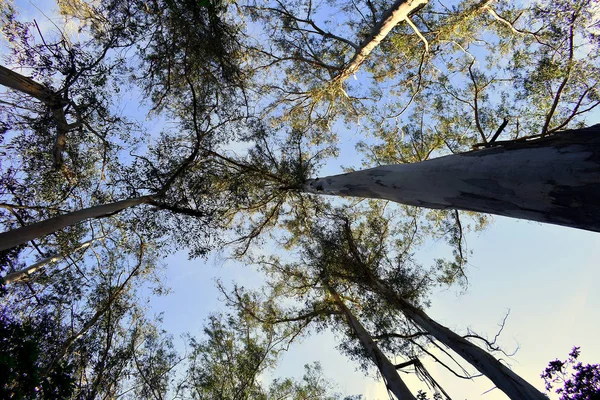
(391, 377)
(551, 179)
(360, 257)
(360, 266)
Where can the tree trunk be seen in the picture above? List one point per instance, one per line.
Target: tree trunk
(390, 18)
(25, 272)
(22, 235)
(387, 369)
(506, 380)
(47, 96)
(28, 86)
(555, 179)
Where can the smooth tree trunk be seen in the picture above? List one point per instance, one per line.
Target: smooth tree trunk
(397, 13)
(50, 98)
(25, 272)
(503, 377)
(554, 179)
(385, 366)
(22, 235)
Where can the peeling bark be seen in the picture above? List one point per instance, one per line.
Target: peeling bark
(503, 377)
(554, 179)
(22, 235)
(385, 366)
(397, 13)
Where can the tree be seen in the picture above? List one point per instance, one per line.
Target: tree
(25, 348)
(420, 88)
(365, 276)
(391, 377)
(358, 259)
(551, 179)
(235, 351)
(584, 382)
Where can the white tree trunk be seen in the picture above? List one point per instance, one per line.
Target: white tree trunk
(25, 272)
(555, 179)
(385, 366)
(44, 94)
(390, 18)
(506, 380)
(22, 235)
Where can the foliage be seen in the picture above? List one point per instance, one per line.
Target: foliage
(24, 349)
(254, 96)
(583, 383)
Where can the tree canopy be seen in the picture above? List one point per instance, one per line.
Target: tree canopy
(133, 130)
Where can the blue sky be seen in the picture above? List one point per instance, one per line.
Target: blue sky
(546, 275)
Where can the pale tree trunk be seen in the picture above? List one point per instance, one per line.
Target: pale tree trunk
(385, 366)
(555, 179)
(42, 93)
(22, 235)
(25, 272)
(503, 377)
(397, 13)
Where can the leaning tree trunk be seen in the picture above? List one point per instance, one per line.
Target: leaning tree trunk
(397, 13)
(28, 86)
(385, 366)
(50, 98)
(22, 235)
(554, 179)
(505, 379)
(25, 272)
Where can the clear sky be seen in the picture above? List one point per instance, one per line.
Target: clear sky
(547, 276)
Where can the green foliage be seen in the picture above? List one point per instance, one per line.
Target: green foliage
(24, 348)
(270, 80)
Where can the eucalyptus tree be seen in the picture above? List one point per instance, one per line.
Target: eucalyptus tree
(369, 268)
(192, 75)
(312, 295)
(553, 72)
(552, 179)
(370, 264)
(93, 301)
(234, 352)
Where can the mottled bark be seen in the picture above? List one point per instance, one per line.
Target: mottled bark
(385, 366)
(25, 272)
(554, 179)
(397, 13)
(22, 235)
(506, 380)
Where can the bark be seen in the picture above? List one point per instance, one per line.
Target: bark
(25, 272)
(554, 179)
(506, 380)
(397, 13)
(50, 98)
(385, 366)
(22, 235)
(28, 86)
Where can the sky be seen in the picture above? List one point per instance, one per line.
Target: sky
(547, 276)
